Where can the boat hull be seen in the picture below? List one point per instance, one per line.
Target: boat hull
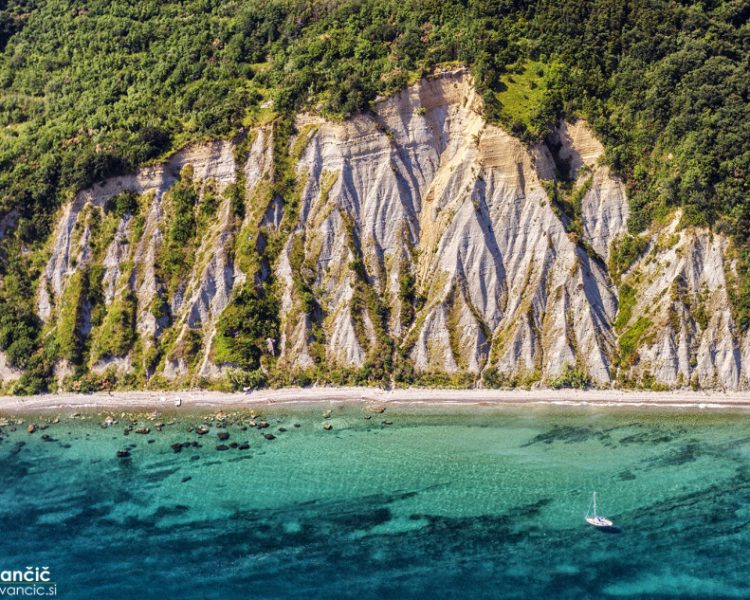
(599, 522)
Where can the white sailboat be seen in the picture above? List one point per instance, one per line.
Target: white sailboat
(593, 519)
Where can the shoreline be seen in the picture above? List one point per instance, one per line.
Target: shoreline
(188, 400)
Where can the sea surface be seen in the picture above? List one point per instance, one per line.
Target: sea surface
(429, 503)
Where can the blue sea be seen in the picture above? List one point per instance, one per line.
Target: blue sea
(429, 503)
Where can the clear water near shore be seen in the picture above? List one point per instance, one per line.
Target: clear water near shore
(459, 503)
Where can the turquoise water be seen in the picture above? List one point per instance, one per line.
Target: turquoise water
(476, 504)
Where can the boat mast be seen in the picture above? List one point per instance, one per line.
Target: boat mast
(594, 504)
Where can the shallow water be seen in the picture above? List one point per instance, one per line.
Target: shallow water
(486, 503)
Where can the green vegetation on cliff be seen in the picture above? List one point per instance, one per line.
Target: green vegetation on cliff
(90, 88)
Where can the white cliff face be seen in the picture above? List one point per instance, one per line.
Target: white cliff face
(422, 231)
(682, 289)
(433, 192)
(604, 206)
(130, 260)
(8, 374)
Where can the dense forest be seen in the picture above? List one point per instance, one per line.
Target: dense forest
(92, 88)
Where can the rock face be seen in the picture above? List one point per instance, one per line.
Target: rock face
(7, 373)
(417, 230)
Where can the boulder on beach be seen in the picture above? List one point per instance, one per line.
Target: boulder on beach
(31, 428)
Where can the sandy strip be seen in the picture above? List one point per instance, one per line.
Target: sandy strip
(207, 400)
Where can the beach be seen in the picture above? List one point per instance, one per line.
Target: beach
(210, 400)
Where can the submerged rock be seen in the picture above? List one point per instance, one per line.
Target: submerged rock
(269, 436)
(223, 435)
(123, 453)
(327, 426)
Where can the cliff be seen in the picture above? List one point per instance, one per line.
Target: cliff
(417, 240)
